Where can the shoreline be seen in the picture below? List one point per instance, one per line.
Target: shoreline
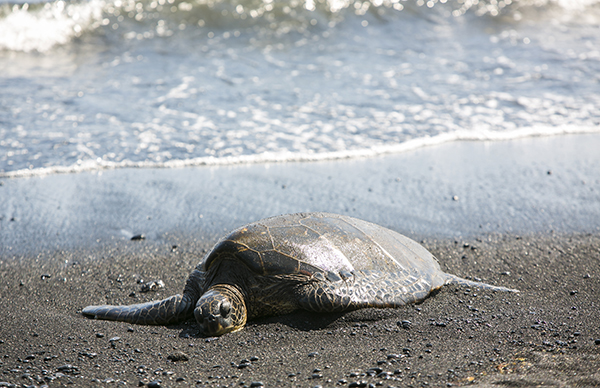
(545, 335)
(448, 191)
(98, 166)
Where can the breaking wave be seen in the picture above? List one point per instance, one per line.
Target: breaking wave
(40, 26)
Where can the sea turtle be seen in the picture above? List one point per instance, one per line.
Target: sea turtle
(314, 261)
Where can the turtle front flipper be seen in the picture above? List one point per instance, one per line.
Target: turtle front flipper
(163, 312)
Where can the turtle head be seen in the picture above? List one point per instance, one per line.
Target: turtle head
(221, 310)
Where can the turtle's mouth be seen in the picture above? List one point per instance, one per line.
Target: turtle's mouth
(212, 325)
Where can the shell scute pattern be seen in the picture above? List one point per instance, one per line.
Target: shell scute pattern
(266, 249)
(325, 242)
(333, 277)
(349, 247)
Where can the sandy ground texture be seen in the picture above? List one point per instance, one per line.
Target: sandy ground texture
(547, 335)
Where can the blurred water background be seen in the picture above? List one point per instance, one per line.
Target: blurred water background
(95, 84)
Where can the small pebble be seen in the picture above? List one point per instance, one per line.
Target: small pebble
(67, 368)
(374, 371)
(138, 237)
(152, 286)
(257, 384)
(154, 384)
(597, 342)
(178, 356)
(99, 335)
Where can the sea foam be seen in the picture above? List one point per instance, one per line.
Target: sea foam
(282, 157)
(40, 27)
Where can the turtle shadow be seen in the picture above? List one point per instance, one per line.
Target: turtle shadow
(307, 321)
(303, 320)
(300, 320)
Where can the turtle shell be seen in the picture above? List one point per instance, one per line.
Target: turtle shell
(320, 242)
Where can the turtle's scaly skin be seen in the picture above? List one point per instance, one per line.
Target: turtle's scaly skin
(313, 261)
(163, 312)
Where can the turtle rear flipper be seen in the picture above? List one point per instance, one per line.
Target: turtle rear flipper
(453, 279)
(163, 312)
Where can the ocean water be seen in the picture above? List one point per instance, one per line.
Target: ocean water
(96, 84)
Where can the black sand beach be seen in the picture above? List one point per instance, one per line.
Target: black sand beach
(547, 335)
(525, 220)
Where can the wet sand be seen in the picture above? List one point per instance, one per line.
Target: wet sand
(521, 214)
(452, 190)
(547, 335)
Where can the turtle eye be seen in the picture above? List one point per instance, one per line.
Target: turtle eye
(225, 308)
